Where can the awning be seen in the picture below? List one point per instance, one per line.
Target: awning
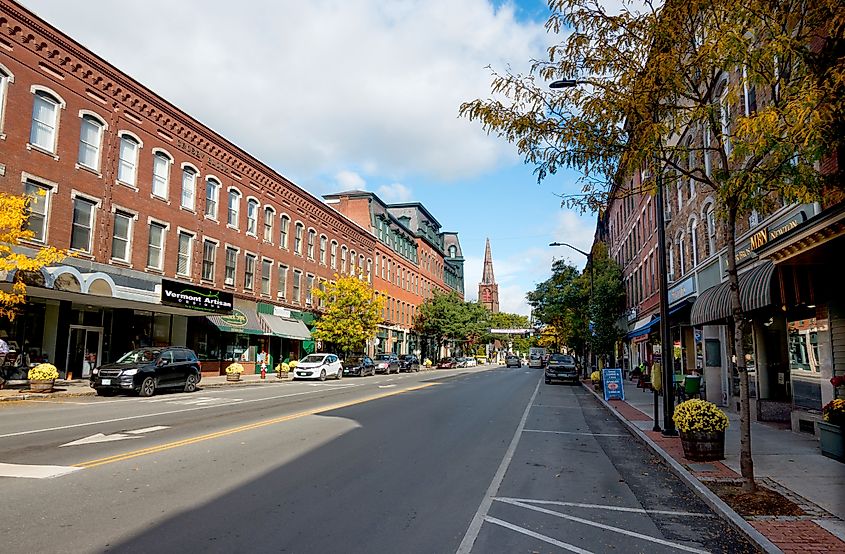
(287, 328)
(755, 292)
(654, 323)
(239, 322)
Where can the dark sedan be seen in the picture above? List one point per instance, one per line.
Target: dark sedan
(561, 368)
(145, 370)
(359, 366)
(409, 363)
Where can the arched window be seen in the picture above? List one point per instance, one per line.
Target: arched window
(453, 251)
(352, 258)
(234, 208)
(212, 195)
(691, 163)
(5, 79)
(127, 166)
(312, 237)
(334, 255)
(161, 174)
(297, 238)
(343, 259)
(284, 226)
(693, 241)
(252, 217)
(269, 217)
(45, 121)
(189, 187)
(323, 244)
(710, 219)
(90, 141)
(682, 257)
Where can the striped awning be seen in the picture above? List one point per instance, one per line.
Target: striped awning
(755, 292)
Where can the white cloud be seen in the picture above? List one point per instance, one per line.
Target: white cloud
(313, 87)
(394, 193)
(574, 229)
(349, 180)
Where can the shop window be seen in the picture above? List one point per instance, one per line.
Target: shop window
(155, 247)
(90, 139)
(249, 271)
(189, 188)
(209, 253)
(183, 259)
(161, 174)
(45, 120)
(121, 236)
(83, 224)
(212, 194)
(39, 201)
(231, 266)
(266, 268)
(127, 164)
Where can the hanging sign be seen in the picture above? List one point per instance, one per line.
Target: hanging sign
(195, 297)
(612, 381)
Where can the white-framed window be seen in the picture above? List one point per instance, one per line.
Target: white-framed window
(352, 258)
(693, 241)
(121, 240)
(5, 79)
(209, 256)
(127, 164)
(249, 271)
(322, 286)
(45, 121)
(369, 270)
(266, 270)
(231, 266)
(284, 230)
(38, 208)
(212, 196)
(82, 228)
(725, 118)
(283, 281)
(343, 259)
(234, 207)
(312, 235)
(252, 217)
(161, 174)
(324, 240)
(679, 188)
(671, 262)
(297, 238)
(189, 188)
(691, 163)
(296, 288)
(333, 255)
(90, 141)
(155, 245)
(710, 217)
(309, 286)
(269, 217)
(682, 255)
(707, 139)
(184, 254)
(748, 98)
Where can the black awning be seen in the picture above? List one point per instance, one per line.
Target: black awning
(755, 292)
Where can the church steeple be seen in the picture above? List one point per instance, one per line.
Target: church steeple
(488, 290)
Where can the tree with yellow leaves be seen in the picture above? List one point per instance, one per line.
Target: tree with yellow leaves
(351, 314)
(14, 214)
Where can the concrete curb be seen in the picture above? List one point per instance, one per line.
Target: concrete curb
(716, 504)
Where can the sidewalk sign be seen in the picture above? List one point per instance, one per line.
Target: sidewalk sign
(612, 382)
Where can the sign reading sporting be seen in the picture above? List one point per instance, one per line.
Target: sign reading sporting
(195, 297)
(611, 379)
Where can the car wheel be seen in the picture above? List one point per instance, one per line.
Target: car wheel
(191, 383)
(339, 374)
(322, 375)
(148, 387)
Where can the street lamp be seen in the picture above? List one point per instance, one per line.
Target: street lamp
(589, 257)
(565, 83)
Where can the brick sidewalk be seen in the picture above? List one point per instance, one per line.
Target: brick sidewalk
(792, 535)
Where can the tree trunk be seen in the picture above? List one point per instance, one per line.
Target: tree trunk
(746, 463)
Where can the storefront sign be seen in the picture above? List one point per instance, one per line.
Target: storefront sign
(612, 381)
(236, 319)
(682, 290)
(196, 297)
(762, 237)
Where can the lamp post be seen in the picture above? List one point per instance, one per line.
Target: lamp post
(666, 354)
(589, 257)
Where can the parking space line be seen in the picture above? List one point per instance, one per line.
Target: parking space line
(606, 507)
(605, 527)
(575, 433)
(538, 536)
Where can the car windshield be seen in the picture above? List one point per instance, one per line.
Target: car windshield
(562, 358)
(139, 356)
(312, 359)
(408, 357)
(382, 356)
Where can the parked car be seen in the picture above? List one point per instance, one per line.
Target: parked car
(447, 363)
(359, 366)
(145, 370)
(460, 362)
(470, 362)
(387, 363)
(513, 361)
(318, 366)
(535, 361)
(409, 362)
(562, 368)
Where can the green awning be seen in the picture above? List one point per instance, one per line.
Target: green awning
(246, 323)
(287, 328)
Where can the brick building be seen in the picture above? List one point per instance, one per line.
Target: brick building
(151, 203)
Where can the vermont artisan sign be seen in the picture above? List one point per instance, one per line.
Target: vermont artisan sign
(195, 297)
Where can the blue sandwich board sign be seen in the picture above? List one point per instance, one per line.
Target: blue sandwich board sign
(612, 382)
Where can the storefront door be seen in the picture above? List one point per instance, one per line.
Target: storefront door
(84, 348)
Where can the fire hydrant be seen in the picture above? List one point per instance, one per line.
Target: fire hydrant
(263, 371)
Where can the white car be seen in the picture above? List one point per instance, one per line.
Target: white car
(471, 362)
(319, 366)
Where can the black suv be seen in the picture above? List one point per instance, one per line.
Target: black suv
(409, 362)
(561, 367)
(144, 370)
(358, 365)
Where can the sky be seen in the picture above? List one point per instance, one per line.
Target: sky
(359, 94)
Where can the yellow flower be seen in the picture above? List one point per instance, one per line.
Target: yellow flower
(234, 368)
(699, 415)
(43, 372)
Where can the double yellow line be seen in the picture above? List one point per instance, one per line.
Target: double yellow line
(241, 428)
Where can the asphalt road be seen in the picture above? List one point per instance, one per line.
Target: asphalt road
(477, 460)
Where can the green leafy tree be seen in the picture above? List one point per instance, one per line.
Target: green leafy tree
(741, 97)
(440, 316)
(561, 303)
(351, 313)
(607, 300)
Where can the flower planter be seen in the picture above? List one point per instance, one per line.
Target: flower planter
(282, 375)
(233, 376)
(703, 446)
(41, 385)
(830, 440)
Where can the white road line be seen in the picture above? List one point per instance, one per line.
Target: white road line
(142, 416)
(477, 520)
(538, 536)
(606, 527)
(558, 407)
(606, 507)
(34, 472)
(148, 429)
(575, 433)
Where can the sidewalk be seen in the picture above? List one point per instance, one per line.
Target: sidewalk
(786, 462)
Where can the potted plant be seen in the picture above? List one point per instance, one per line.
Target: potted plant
(233, 371)
(595, 377)
(830, 430)
(427, 363)
(282, 370)
(42, 377)
(702, 427)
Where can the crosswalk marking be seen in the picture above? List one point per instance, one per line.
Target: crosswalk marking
(34, 471)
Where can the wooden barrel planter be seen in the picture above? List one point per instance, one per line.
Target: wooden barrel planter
(233, 376)
(703, 446)
(41, 385)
